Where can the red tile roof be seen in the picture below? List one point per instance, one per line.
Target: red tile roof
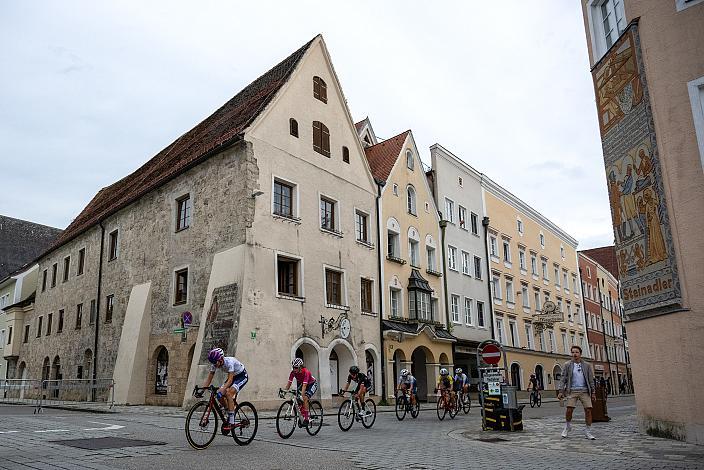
(213, 134)
(605, 256)
(383, 155)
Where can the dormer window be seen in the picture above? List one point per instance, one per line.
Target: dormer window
(321, 138)
(293, 127)
(320, 89)
(409, 159)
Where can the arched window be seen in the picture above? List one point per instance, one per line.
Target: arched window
(161, 384)
(409, 159)
(321, 138)
(320, 89)
(411, 200)
(345, 154)
(293, 127)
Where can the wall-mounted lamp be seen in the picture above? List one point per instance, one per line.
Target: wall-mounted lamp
(257, 193)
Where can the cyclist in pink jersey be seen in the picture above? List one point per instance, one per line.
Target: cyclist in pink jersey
(306, 383)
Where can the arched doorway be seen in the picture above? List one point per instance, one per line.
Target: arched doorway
(419, 369)
(56, 375)
(399, 363)
(516, 375)
(309, 354)
(369, 359)
(341, 359)
(22, 374)
(539, 376)
(557, 374)
(161, 383)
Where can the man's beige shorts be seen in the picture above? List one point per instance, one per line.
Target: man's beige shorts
(584, 397)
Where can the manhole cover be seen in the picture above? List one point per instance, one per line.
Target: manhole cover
(107, 443)
(492, 439)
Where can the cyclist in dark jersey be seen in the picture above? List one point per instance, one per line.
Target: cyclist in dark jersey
(363, 384)
(533, 383)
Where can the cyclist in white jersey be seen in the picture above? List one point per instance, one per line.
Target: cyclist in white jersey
(236, 379)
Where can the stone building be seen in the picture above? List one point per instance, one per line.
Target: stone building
(256, 225)
(648, 73)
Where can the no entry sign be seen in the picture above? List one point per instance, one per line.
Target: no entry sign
(491, 354)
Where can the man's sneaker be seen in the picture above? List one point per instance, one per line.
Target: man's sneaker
(565, 432)
(588, 434)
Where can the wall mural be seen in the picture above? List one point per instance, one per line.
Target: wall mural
(220, 325)
(644, 245)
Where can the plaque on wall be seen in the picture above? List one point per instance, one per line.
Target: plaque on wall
(220, 321)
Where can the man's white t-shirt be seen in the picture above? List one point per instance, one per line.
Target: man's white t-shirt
(230, 364)
(578, 380)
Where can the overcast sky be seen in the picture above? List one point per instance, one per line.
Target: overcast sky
(90, 90)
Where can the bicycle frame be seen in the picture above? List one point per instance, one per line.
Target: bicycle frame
(214, 404)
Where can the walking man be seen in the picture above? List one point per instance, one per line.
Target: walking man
(576, 385)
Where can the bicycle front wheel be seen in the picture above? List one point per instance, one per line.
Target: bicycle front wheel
(345, 415)
(246, 423)
(441, 408)
(415, 409)
(532, 400)
(400, 408)
(286, 419)
(466, 403)
(201, 425)
(369, 413)
(539, 401)
(315, 417)
(454, 407)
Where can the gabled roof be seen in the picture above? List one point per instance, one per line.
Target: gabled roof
(383, 156)
(21, 242)
(219, 130)
(605, 256)
(360, 125)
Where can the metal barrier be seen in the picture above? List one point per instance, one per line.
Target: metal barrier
(20, 391)
(76, 392)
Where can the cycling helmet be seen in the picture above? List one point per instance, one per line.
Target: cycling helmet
(458, 370)
(354, 370)
(215, 355)
(404, 372)
(444, 371)
(298, 362)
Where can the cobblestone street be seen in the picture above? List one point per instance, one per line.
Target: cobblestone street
(39, 441)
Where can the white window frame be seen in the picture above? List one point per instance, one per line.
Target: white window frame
(411, 200)
(414, 252)
(399, 304)
(450, 210)
(684, 4)
(510, 294)
(396, 244)
(493, 246)
(513, 331)
(696, 98)
(466, 263)
(295, 204)
(431, 257)
(367, 215)
(455, 308)
(187, 267)
(506, 245)
(301, 271)
(525, 295)
(500, 336)
(345, 293)
(522, 259)
(496, 283)
(410, 164)
(530, 343)
(551, 340)
(451, 257)
(596, 27)
(462, 217)
(468, 311)
(542, 240)
(519, 226)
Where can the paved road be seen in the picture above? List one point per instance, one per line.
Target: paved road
(40, 441)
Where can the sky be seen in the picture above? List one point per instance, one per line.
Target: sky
(89, 91)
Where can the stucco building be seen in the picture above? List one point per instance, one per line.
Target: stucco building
(648, 73)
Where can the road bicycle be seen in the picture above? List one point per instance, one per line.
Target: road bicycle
(447, 404)
(290, 414)
(403, 405)
(350, 411)
(464, 402)
(535, 398)
(202, 420)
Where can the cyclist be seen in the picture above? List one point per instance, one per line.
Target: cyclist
(305, 382)
(533, 384)
(460, 381)
(407, 382)
(236, 379)
(444, 382)
(363, 383)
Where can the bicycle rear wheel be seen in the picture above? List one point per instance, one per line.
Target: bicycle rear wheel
(286, 419)
(539, 401)
(201, 425)
(415, 409)
(246, 423)
(315, 417)
(532, 400)
(401, 407)
(441, 408)
(466, 402)
(345, 415)
(369, 415)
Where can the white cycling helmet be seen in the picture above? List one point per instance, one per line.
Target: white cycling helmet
(458, 370)
(298, 362)
(443, 371)
(404, 372)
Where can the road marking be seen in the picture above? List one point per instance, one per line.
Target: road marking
(54, 430)
(110, 427)
(7, 432)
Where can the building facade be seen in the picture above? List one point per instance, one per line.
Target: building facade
(532, 261)
(15, 288)
(458, 195)
(648, 73)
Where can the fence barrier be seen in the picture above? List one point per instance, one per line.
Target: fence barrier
(75, 392)
(20, 391)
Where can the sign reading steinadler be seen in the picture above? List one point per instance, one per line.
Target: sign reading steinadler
(644, 245)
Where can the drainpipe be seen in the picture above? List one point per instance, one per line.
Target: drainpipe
(485, 224)
(443, 226)
(380, 185)
(97, 308)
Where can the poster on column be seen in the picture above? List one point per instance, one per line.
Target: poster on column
(220, 321)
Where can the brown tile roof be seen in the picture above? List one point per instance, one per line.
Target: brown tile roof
(383, 155)
(605, 256)
(214, 133)
(21, 242)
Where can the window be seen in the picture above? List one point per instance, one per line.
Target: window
(465, 263)
(431, 258)
(49, 322)
(500, 331)
(327, 214)
(536, 299)
(509, 291)
(524, 296)
(39, 326)
(321, 138)
(2, 338)
(562, 252)
(79, 316)
(556, 271)
(293, 127)
(287, 276)
(468, 311)
(455, 307)
(493, 246)
(183, 212)
(333, 287)
(9, 335)
(92, 313)
(696, 98)
(496, 286)
(109, 305)
(565, 344)
(611, 23)
(81, 261)
(450, 210)
(393, 249)
(361, 226)
(452, 257)
(422, 309)
(345, 154)
(320, 89)
(480, 314)
(541, 339)
(507, 251)
(181, 287)
(409, 160)
(60, 326)
(529, 336)
(513, 331)
(565, 283)
(395, 187)
(411, 202)
(413, 253)
(112, 244)
(542, 240)
(67, 268)
(589, 272)
(578, 313)
(475, 223)
(283, 199)
(519, 226)
(459, 181)
(522, 258)
(463, 217)
(545, 269)
(572, 339)
(395, 303)
(477, 267)
(551, 341)
(533, 264)
(26, 334)
(54, 268)
(367, 291)
(44, 280)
